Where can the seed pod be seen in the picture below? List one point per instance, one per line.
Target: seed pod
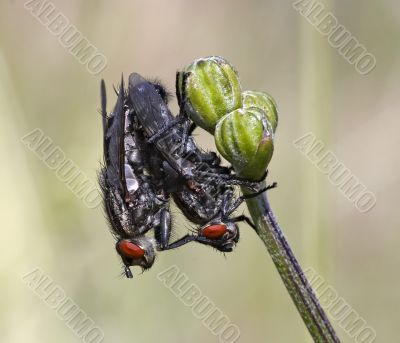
(244, 138)
(208, 89)
(263, 101)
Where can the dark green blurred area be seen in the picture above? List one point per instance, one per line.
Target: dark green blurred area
(274, 49)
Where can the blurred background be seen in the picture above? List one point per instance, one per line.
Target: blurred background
(275, 49)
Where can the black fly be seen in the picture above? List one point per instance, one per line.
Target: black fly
(200, 186)
(132, 204)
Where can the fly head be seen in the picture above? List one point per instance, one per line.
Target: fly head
(138, 251)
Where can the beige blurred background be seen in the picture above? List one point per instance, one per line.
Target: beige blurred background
(274, 49)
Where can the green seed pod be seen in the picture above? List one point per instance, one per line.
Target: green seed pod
(244, 138)
(263, 101)
(208, 89)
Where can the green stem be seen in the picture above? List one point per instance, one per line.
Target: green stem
(290, 271)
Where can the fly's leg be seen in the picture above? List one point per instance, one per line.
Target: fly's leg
(243, 218)
(211, 158)
(192, 127)
(242, 198)
(157, 136)
(186, 131)
(181, 118)
(163, 231)
(232, 180)
(182, 241)
(128, 272)
(220, 244)
(227, 176)
(225, 206)
(194, 238)
(188, 128)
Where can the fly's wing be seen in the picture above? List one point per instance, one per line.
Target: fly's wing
(103, 96)
(112, 176)
(148, 105)
(114, 148)
(120, 122)
(153, 113)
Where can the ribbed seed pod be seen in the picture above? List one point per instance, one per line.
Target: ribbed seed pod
(208, 89)
(263, 101)
(244, 138)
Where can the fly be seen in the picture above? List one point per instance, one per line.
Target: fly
(200, 186)
(132, 204)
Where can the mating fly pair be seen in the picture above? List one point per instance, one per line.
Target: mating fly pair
(143, 168)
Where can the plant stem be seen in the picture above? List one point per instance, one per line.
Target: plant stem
(290, 271)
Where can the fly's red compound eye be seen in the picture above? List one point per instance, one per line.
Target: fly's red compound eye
(214, 231)
(129, 249)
